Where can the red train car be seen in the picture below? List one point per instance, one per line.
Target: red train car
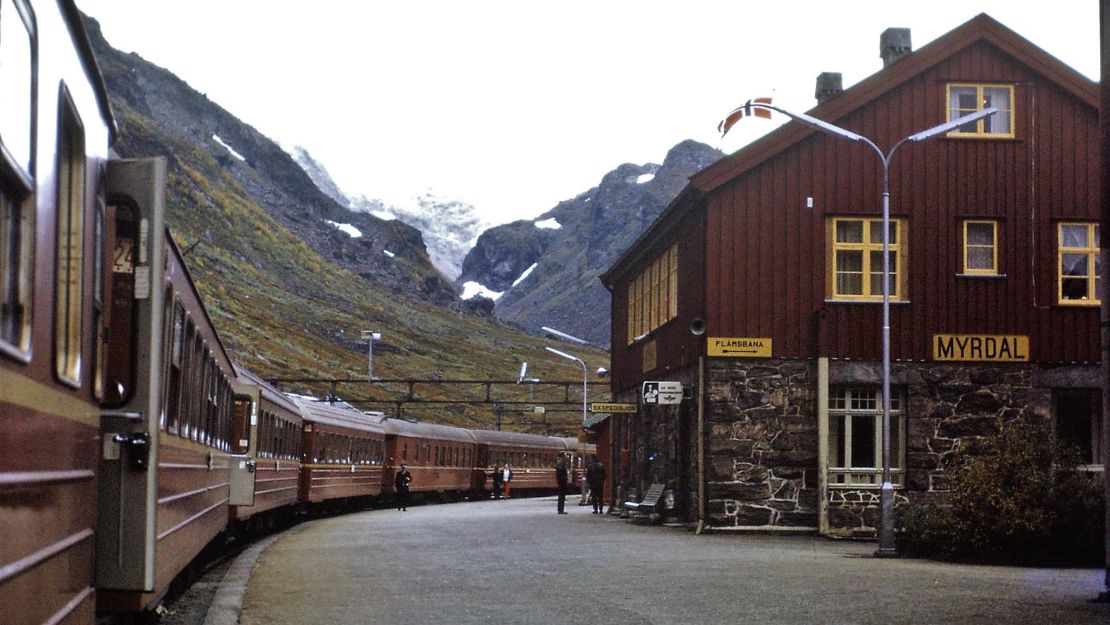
(342, 453)
(267, 428)
(55, 129)
(440, 457)
(530, 456)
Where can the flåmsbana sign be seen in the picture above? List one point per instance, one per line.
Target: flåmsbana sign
(981, 347)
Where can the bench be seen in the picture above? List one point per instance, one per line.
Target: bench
(649, 502)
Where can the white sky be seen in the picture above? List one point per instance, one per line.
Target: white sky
(516, 105)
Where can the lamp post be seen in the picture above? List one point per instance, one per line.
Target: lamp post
(886, 492)
(370, 336)
(584, 377)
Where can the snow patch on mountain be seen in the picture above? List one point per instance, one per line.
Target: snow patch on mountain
(473, 289)
(450, 228)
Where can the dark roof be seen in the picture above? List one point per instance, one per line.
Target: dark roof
(401, 427)
(518, 439)
(336, 415)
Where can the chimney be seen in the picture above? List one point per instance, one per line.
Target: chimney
(829, 85)
(894, 44)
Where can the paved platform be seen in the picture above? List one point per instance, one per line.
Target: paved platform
(517, 562)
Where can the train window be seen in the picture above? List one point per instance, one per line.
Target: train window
(173, 385)
(116, 326)
(17, 210)
(70, 258)
(240, 425)
(405, 452)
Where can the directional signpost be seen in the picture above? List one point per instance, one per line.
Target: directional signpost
(662, 392)
(739, 347)
(612, 407)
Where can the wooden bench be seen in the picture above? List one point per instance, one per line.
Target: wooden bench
(649, 502)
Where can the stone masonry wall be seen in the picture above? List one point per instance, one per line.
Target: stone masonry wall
(951, 410)
(762, 444)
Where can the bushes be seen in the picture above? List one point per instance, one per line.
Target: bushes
(1019, 501)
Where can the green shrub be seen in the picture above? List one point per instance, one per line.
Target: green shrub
(1021, 500)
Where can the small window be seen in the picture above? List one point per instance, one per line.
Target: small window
(965, 99)
(17, 210)
(1080, 276)
(856, 263)
(70, 261)
(980, 247)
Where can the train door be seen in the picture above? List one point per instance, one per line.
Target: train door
(132, 339)
(244, 445)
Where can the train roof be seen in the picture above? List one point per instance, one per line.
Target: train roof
(337, 415)
(266, 390)
(401, 427)
(518, 439)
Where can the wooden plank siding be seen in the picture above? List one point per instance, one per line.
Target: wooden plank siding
(764, 254)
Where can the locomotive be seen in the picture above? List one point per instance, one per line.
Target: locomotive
(130, 439)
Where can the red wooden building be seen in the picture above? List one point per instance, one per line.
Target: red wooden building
(773, 257)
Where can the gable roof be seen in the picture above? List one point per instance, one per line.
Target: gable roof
(978, 29)
(981, 28)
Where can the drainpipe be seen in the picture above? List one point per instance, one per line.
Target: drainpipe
(823, 445)
(701, 445)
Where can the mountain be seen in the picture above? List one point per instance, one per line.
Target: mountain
(547, 269)
(291, 278)
(179, 122)
(449, 227)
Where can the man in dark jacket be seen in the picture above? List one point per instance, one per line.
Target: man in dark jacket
(561, 480)
(595, 476)
(498, 478)
(401, 487)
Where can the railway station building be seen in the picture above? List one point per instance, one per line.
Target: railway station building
(759, 289)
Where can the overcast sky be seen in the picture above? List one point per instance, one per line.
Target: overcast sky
(516, 105)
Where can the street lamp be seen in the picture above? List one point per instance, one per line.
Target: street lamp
(370, 336)
(584, 377)
(886, 492)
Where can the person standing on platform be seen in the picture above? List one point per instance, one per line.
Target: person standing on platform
(561, 480)
(507, 476)
(595, 475)
(401, 487)
(498, 478)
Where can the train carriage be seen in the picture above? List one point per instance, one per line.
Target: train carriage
(440, 457)
(342, 452)
(55, 130)
(268, 429)
(530, 456)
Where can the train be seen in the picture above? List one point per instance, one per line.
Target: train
(131, 440)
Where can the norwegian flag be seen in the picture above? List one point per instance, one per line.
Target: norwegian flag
(749, 109)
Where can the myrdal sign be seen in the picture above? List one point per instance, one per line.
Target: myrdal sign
(981, 347)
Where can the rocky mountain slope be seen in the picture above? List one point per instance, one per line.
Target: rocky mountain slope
(449, 227)
(564, 250)
(169, 117)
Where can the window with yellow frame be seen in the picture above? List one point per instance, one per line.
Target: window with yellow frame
(856, 259)
(980, 254)
(965, 99)
(1079, 275)
(653, 295)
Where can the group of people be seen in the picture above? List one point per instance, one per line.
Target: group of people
(595, 479)
(502, 476)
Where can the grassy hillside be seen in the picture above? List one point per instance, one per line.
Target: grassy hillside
(284, 311)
